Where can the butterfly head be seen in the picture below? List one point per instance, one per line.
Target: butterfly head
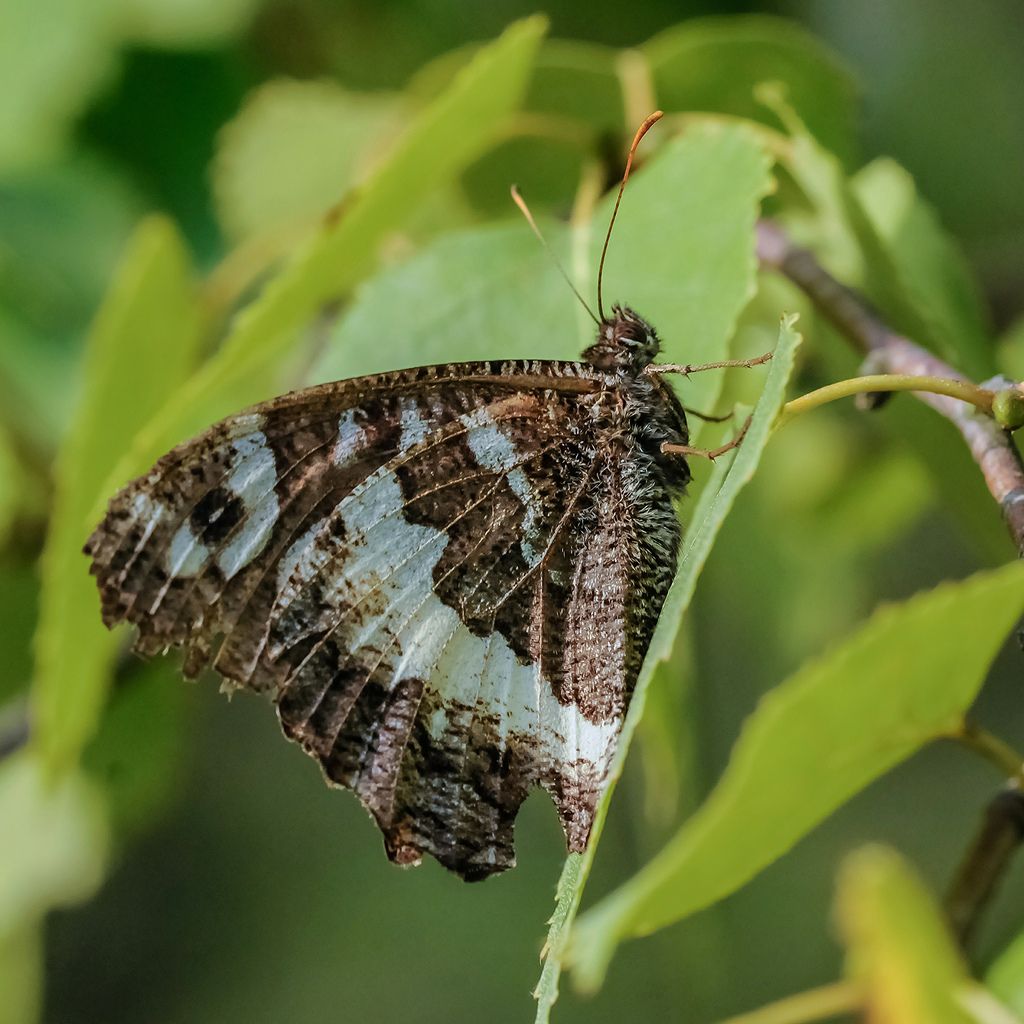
(625, 341)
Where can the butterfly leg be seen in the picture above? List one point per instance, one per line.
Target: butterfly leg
(687, 368)
(669, 448)
(706, 417)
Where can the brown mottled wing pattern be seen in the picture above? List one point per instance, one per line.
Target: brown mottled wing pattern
(436, 574)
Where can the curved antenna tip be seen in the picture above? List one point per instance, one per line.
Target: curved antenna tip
(648, 121)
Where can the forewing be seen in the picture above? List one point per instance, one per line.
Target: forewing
(189, 550)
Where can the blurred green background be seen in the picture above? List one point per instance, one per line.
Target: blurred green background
(242, 889)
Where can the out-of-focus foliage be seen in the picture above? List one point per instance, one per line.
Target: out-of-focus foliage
(293, 151)
(45, 84)
(717, 64)
(141, 349)
(10, 485)
(63, 229)
(185, 23)
(55, 55)
(930, 268)
(890, 266)
(57, 853)
(21, 974)
(899, 950)
(205, 202)
(54, 854)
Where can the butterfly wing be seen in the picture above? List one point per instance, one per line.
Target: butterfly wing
(431, 573)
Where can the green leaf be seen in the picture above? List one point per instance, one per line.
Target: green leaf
(716, 501)
(293, 150)
(682, 256)
(573, 106)
(55, 846)
(572, 81)
(65, 227)
(933, 273)
(903, 679)
(546, 167)
(36, 377)
(714, 64)
(464, 296)
(899, 949)
(667, 735)
(681, 253)
(450, 133)
(54, 55)
(142, 346)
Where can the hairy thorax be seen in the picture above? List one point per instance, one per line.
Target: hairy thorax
(637, 408)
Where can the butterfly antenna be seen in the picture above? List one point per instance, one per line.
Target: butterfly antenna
(525, 211)
(650, 120)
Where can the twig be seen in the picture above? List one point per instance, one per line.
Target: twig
(875, 383)
(990, 446)
(984, 865)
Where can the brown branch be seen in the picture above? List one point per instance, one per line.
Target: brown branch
(986, 861)
(888, 352)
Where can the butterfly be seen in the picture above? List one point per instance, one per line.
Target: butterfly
(445, 578)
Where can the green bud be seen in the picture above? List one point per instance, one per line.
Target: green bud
(1008, 408)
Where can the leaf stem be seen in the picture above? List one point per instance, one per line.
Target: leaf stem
(977, 396)
(1008, 761)
(816, 1004)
